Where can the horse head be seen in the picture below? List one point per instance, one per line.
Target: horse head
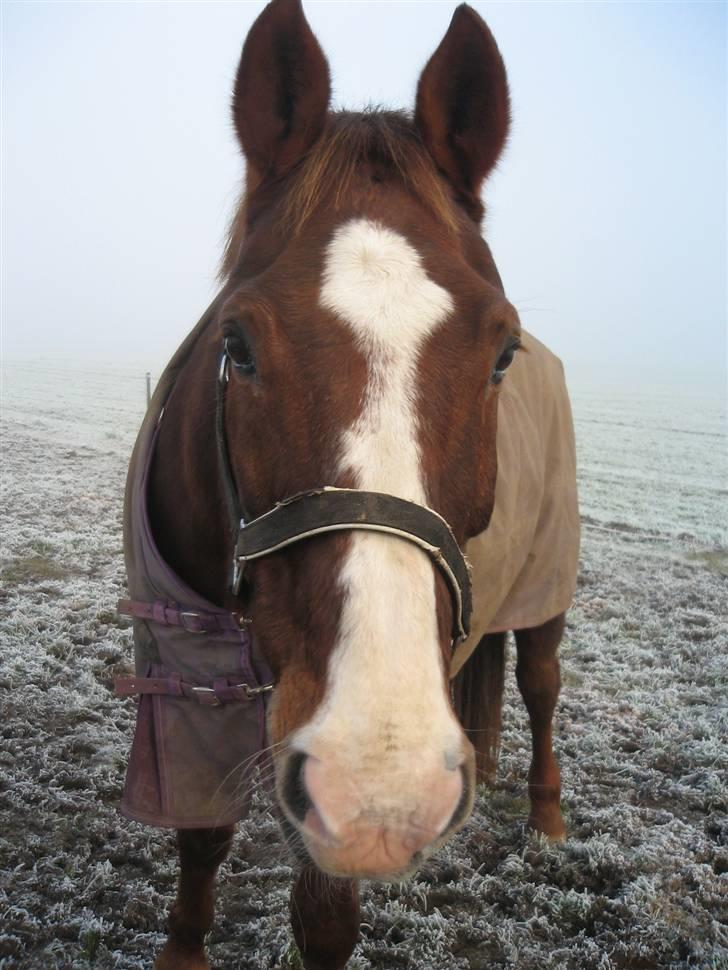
(367, 332)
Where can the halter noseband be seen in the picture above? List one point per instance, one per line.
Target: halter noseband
(330, 509)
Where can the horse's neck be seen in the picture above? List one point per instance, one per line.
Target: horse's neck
(186, 501)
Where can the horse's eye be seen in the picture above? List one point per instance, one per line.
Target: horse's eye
(504, 362)
(240, 353)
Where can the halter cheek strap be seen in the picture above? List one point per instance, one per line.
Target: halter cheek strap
(329, 509)
(232, 501)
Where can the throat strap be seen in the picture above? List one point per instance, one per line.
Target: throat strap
(341, 509)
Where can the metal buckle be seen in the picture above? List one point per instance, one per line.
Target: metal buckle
(187, 626)
(251, 692)
(215, 702)
(237, 576)
(238, 573)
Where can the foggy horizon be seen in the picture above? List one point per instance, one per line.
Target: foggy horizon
(606, 216)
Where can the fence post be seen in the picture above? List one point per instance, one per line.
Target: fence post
(149, 388)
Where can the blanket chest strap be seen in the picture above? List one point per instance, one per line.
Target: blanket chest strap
(223, 691)
(194, 621)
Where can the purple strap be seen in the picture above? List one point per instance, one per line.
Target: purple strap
(223, 690)
(194, 621)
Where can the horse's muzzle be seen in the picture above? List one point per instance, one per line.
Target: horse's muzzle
(348, 834)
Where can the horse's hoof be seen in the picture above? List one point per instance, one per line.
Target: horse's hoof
(553, 828)
(174, 957)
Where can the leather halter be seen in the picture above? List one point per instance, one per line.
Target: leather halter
(330, 509)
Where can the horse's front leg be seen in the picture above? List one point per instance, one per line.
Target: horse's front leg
(325, 919)
(539, 679)
(200, 853)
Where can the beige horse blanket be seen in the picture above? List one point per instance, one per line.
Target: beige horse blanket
(524, 565)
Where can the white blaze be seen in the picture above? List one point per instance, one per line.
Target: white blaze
(385, 698)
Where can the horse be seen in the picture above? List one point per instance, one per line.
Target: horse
(318, 454)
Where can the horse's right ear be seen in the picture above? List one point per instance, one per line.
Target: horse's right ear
(282, 89)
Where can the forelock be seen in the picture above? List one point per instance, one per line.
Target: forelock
(387, 140)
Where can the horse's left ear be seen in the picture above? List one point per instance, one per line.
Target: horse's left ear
(463, 107)
(282, 89)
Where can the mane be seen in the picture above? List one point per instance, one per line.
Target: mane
(388, 140)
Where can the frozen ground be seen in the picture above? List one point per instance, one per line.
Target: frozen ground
(641, 727)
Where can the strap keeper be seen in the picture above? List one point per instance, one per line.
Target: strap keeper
(174, 685)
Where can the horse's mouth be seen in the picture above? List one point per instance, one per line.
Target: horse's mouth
(299, 846)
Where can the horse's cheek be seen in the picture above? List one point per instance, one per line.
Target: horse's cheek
(294, 703)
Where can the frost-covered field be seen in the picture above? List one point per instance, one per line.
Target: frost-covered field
(642, 728)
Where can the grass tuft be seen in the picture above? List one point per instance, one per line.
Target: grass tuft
(25, 569)
(292, 960)
(90, 941)
(716, 560)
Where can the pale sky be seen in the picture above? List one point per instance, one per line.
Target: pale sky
(607, 216)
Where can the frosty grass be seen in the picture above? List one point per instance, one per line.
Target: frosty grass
(641, 727)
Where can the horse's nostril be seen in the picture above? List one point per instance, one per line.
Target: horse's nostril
(294, 789)
(463, 806)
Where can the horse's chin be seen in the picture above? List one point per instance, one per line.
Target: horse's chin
(327, 864)
(389, 878)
